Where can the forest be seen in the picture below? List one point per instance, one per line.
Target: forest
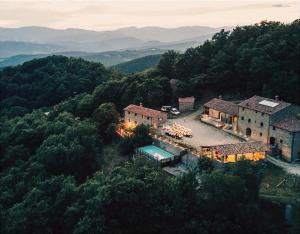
(58, 117)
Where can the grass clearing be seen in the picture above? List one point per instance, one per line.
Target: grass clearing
(273, 187)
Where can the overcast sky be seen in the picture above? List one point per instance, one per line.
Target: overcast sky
(112, 14)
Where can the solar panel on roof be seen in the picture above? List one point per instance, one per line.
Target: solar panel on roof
(268, 103)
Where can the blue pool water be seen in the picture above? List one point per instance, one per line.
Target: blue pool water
(156, 152)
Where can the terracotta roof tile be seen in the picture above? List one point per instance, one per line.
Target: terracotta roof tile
(240, 148)
(223, 106)
(253, 103)
(290, 124)
(186, 100)
(143, 110)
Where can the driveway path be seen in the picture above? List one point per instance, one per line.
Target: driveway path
(288, 167)
(203, 134)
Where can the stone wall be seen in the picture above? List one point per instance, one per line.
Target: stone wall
(296, 147)
(214, 113)
(258, 123)
(136, 119)
(283, 140)
(186, 106)
(133, 118)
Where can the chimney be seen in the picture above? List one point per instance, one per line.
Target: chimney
(277, 98)
(220, 97)
(141, 104)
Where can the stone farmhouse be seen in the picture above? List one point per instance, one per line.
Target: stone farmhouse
(266, 120)
(135, 115)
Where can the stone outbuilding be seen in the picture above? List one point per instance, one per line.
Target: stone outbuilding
(186, 103)
(135, 115)
(229, 153)
(224, 111)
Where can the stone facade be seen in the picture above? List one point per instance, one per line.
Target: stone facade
(254, 124)
(259, 122)
(135, 115)
(186, 104)
(296, 147)
(269, 121)
(283, 140)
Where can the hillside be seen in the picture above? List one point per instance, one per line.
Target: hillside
(10, 48)
(260, 59)
(109, 58)
(46, 82)
(138, 65)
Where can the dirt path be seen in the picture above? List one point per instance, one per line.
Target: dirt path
(288, 167)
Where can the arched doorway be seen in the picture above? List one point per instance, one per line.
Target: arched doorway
(272, 141)
(248, 132)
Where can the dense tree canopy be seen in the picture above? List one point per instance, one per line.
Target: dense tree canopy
(46, 82)
(138, 197)
(259, 59)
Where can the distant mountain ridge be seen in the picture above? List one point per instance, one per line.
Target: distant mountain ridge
(108, 58)
(40, 40)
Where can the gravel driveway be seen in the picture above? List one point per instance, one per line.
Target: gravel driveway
(203, 134)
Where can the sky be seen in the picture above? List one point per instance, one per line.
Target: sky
(112, 14)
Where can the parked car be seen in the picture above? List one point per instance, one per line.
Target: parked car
(174, 111)
(165, 108)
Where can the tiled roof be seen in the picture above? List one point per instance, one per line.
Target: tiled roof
(240, 148)
(253, 103)
(142, 110)
(290, 124)
(223, 106)
(186, 100)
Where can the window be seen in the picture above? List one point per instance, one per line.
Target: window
(256, 112)
(148, 118)
(249, 120)
(242, 117)
(274, 128)
(281, 141)
(260, 134)
(129, 112)
(128, 120)
(142, 116)
(262, 114)
(243, 108)
(135, 114)
(135, 122)
(261, 124)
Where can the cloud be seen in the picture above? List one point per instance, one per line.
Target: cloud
(280, 5)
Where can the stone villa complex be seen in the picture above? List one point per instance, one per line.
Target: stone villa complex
(266, 120)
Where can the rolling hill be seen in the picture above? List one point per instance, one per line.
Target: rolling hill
(138, 65)
(107, 58)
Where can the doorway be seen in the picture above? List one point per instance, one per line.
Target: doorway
(248, 132)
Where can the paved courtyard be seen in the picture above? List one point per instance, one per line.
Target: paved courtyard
(203, 134)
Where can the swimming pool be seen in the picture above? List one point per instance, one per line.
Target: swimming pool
(155, 152)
